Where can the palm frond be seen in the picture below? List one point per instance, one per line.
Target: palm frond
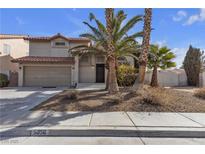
(101, 27)
(130, 24)
(94, 30)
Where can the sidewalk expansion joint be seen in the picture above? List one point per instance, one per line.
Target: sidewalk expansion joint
(191, 119)
(90, 119)
(135, 127)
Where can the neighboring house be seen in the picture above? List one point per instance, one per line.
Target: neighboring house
(47, 62)
(12, 46)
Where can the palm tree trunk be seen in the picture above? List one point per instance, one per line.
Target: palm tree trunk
(154, 81)
(107, 80)
(141, 75)
(112, 83)
(139, 83)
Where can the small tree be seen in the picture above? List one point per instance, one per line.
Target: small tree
(159, 58)
(193, 63)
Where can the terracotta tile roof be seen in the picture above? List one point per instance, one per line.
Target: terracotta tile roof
(44, 60)
(43, 38)
(12, 36)
(48, 38)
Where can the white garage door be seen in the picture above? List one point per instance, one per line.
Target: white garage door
(47, 76)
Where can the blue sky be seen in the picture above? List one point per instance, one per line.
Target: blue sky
(176, 28)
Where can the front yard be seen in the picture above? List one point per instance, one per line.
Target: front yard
(147, 100)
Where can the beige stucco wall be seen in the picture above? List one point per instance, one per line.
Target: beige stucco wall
(6, 66)
(203, 76)
(202, 79)
(173, 78)
(47, 48)
(37, 48)
(18, 47)
(87, 72)
(169, 78)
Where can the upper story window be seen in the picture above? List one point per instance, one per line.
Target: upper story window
(6, 49)
(60, 44)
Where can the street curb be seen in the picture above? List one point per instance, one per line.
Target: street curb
(102, 133)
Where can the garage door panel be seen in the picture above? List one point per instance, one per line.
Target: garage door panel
(47, 76)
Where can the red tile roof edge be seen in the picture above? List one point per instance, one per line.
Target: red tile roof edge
(45, 60)
(43, 38)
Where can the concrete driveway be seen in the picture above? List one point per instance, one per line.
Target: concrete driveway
(15, 102)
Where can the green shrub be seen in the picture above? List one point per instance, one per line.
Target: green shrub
(193, 63)
(3, 80)
(126, 75)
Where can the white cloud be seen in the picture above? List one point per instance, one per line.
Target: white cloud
(180, 54)
(180, 16)
(19, 21)
(139, 40)
(161, 43)
(200, 17)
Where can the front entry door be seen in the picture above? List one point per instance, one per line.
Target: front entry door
(100, 73)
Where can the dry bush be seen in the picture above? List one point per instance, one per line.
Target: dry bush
(141, 92)
(116, 99)
(73, 95)
(200, 93)
(154, 96)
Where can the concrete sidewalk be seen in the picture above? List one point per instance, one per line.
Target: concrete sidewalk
(43, 127)
(50, 119)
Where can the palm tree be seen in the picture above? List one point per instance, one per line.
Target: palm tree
(159, 58)
(123, 44)
(145, 48)
(112, 79)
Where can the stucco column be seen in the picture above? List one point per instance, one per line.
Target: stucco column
(203, 79)
(20, 75)
(76, 69)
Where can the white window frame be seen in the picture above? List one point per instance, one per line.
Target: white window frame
(53, 43)
(6, 49)
(60, 45)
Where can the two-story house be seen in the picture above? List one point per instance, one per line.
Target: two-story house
(47, 62)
